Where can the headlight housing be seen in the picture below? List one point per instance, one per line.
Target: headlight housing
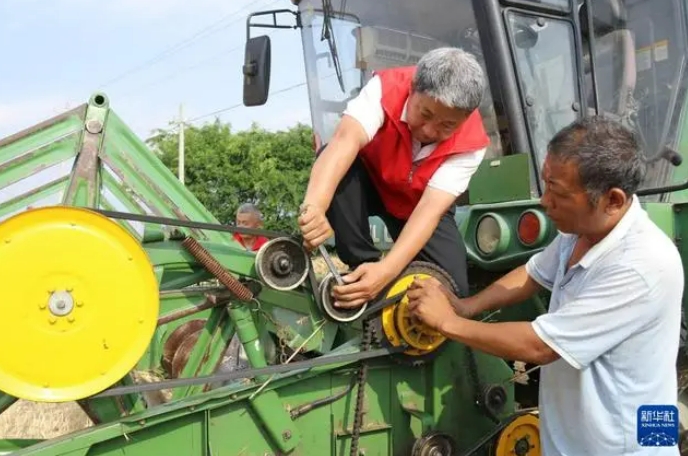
(491, 234)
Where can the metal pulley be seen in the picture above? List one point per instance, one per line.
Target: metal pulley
(397, 326)
(342, 315)
(520, 438)
(79, 304)
(282, 264)
(434, 444)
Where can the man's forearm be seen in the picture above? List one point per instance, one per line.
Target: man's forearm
(516, 341)
(333, 163)
(515, 287)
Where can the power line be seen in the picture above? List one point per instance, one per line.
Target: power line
(207, 31)
(285, 89)
(238, 105)
(176, 73)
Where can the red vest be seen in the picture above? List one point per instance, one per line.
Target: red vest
(257, 244)
(388, 157)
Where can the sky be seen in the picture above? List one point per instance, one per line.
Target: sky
(149, 57)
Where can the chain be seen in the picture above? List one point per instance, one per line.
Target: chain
(366, 342)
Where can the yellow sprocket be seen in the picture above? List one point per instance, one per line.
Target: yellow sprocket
(79, 303)
(396, 326)
(521, 437)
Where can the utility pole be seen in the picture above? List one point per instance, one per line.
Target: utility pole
(181, 143)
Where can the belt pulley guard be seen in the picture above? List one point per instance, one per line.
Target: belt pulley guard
(79, 306)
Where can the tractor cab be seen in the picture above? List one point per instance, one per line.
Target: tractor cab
(548, 62)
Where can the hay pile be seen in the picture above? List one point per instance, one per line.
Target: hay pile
(32, 420)
(320, 267)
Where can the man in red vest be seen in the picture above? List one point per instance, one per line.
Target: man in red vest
(248, 216)
(404, 150)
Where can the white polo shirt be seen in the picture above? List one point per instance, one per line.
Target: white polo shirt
(615, 319)
(455, 173)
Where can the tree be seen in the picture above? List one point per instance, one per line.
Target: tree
(224, 169)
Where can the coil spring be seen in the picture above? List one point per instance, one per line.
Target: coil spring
(215, 268)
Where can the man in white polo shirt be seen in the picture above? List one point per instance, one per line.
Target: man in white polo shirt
(404, 150)
(609, 341)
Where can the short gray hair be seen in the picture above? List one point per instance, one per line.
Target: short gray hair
(608, 155)
(451, 76)
(249, 208)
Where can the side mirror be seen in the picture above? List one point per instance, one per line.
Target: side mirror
(256, 70)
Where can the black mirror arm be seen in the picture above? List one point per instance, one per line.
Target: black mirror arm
(273, 13)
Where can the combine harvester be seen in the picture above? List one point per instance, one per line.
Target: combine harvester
(111, 269)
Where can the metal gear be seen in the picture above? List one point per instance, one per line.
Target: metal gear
(394, 326)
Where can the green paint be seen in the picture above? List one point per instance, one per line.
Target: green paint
(501, 179)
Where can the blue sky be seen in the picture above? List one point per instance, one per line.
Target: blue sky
(148, 56)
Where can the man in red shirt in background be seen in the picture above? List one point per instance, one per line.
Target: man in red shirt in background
(248, 216)
(404, 150)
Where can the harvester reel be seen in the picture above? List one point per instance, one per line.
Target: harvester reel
(342, 315)
(282, 264)
(396, 326)
(80, 303)
(520, 438)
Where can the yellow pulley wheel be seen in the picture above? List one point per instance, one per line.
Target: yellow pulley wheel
(400, 326)
(521, 437)
(79, 304)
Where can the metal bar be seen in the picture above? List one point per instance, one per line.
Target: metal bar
(267, 406)
(248, 335)
(218, 345)
(200, 350)
(211, 302)
(591, 44)
(488, 15)
(252, 373)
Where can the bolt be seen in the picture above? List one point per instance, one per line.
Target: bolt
(286, 435)
(52, 320)
(42, 306)
(70, 319)
(80, 304)
(7, 241)
(105, 345)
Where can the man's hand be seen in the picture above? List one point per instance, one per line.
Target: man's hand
(314, 226)
(431, 302)
(361, 285)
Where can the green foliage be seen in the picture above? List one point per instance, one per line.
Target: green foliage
(225, 169)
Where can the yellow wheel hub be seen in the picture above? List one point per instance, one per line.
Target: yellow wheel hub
(78, 304)
(520, 438)
(400, 326)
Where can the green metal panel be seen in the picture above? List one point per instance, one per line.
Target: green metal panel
(501, 179)
(222, 422)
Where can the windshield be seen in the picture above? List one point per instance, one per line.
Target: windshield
(638, 61)
(346, 40)
(639, 66)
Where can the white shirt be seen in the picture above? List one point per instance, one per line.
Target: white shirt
(455, 173)
(614, 318)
